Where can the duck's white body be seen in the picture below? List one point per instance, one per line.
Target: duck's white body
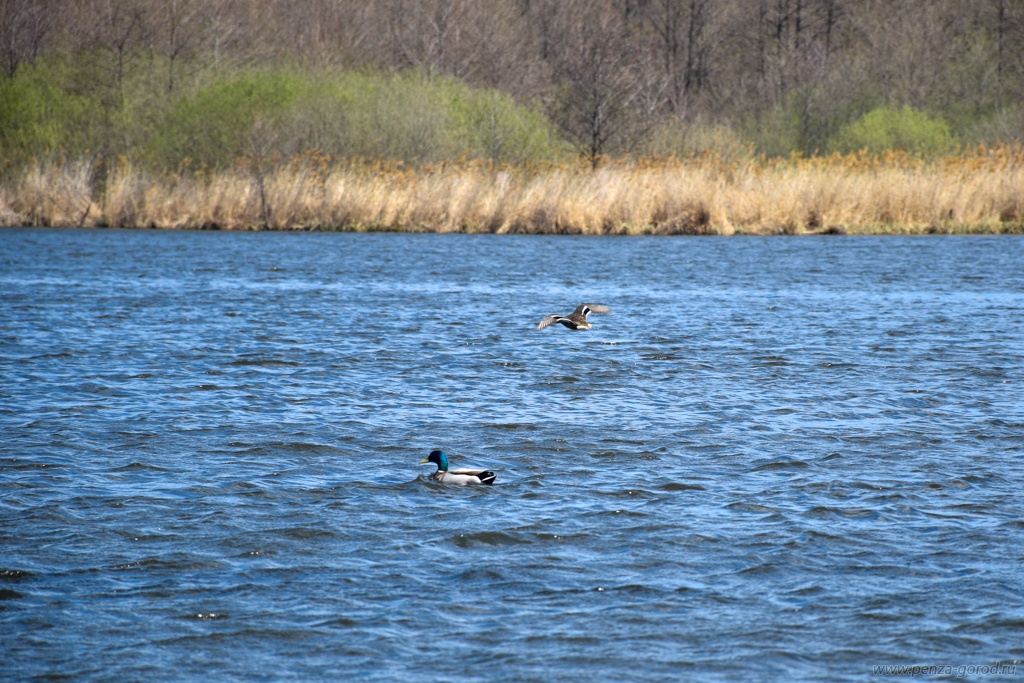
(464, 476)
(460, 477)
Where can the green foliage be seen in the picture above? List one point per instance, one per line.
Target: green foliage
(419, 118)
(775, 132)
(41, 115)
(56, 107)
(160, 81)
(228, 118)
(803, 122)
(886, 128)
(270, 113)
(401, 116)
(491, 125)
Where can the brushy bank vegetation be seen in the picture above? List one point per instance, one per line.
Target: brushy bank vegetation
(597, 116)
(977, 192)
(271, 112)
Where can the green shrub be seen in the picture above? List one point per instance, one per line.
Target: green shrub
(415, 117)
(214, 121)
(399, 116)
(228, 118)
(885, 128)
(41, 115)
(491, 125)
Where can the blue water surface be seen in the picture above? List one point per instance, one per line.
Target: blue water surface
(775, 459)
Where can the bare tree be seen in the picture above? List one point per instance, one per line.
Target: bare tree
(440, 31)
(599, 87)
(683, 31)
(226, 35)
(179, 32)
(24, 26)
(1006, 18)
(601, 67)
(500, 51)
(118, 30)
(916, 38)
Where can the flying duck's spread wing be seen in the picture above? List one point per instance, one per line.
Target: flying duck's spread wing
(549, 320)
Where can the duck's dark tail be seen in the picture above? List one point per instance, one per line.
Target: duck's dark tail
(487, 477)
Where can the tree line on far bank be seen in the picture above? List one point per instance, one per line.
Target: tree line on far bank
(201, 84)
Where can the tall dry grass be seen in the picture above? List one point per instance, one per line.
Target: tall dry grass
(979, 191)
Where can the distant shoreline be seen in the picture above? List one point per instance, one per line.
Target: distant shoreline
(858, 232)
(853, 194)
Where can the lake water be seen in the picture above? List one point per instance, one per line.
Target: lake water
(776, 458)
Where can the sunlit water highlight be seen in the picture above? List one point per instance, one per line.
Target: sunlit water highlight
(777, 458)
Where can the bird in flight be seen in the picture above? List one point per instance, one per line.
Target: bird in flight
(577, 320)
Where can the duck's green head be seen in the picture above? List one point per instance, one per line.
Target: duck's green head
(438, 458)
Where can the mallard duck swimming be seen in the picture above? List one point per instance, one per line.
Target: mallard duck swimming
(460, 476)
(577, 320)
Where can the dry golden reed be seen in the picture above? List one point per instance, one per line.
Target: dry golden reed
(977, 191)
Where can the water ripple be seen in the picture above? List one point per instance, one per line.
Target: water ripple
(209, 464)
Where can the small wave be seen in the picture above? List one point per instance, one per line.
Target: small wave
(483, 575)
(661, 357)
(829, 512)
(782, 465)
(174, 562)
(206, 616)
(629, 589)
(879, 615)
(866, 486)
(629, 493)
(623, 513)
(751, 507)
(302, 533)
(50, 356)
(264, 362)
(32, 466)
(680, 486)
(139, 467)
(308, 447)
(772, 361)
(808, 589)
(488, 538)
(511, 426)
